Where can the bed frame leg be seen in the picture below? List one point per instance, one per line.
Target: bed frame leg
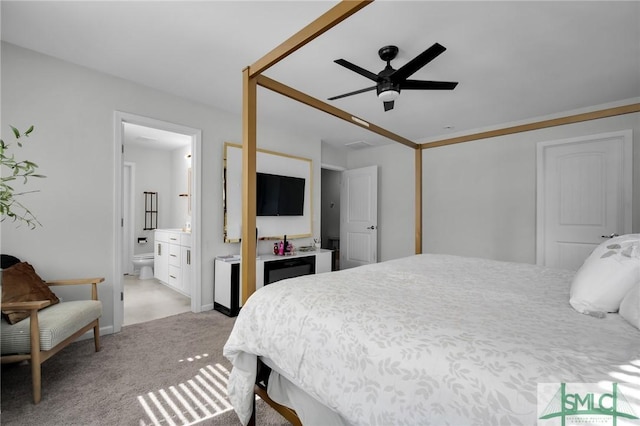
(252, 420)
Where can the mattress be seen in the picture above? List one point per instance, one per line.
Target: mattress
(427, 339)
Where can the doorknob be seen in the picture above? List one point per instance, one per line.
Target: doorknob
(610, 236)
(371, 227)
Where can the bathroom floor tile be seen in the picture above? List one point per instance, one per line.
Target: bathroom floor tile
(147, 300)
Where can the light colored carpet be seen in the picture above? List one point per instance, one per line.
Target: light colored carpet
(163, 372)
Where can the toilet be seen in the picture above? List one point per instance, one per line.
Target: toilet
(144, 261)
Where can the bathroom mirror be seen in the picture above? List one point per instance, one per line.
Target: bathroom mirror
(273, 163)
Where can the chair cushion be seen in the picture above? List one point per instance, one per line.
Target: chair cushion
(20, 283)
(56, 323)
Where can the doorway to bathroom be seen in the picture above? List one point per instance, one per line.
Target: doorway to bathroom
(330, 211)
(159, 158)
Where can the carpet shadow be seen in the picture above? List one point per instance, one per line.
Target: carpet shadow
(160, 372)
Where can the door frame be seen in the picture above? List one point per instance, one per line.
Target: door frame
(335, 260)
(128, 191)
(196, 182)
(627, 177)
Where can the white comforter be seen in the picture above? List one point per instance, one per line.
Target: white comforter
(428, 339)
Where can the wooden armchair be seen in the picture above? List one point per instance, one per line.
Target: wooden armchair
(46, 331)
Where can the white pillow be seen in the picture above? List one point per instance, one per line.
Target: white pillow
(630, 306)
(607, 275)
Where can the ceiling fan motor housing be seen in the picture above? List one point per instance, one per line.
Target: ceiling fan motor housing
(387, 85)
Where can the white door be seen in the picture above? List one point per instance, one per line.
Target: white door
(584, 196)
(359, 217)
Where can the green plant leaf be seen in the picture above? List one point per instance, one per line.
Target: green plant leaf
(10, 206)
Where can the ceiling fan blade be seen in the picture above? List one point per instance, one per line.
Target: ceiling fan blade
(388, 106)
(428, 85)
(352, 93)
(418, 62)
(355, 68)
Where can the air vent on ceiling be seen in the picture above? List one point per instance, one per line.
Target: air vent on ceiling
(358, 145)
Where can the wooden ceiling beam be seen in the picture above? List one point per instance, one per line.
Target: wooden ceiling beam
(294, 94)
(319, 26)
(577, 118)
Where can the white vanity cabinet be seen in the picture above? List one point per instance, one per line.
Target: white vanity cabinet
(185, 262)
(175, 262)
(172, 259)
(161, 256)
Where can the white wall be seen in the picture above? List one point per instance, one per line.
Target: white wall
(179, 206)
(72, 109)
(396, 187)
(151, 166)
(479, 198)
(334, 156)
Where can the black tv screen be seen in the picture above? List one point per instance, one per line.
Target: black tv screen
(279, 195)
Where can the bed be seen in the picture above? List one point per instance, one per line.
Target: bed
(427, 339)
(432, 339)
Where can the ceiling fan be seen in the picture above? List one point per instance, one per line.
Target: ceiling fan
(389, 82)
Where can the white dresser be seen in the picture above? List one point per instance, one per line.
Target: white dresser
(172, 259)
(269, 269)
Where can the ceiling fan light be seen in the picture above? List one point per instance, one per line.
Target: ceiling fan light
(388, 95)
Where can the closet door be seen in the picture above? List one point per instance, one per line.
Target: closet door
(584, 196)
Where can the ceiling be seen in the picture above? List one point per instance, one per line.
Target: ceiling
(513, 60)
(151, 138)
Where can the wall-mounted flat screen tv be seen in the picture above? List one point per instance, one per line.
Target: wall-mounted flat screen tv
(279, 195)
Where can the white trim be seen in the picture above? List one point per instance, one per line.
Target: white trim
(196, 161)
(592, 108)
(332, 167)
(118, 138)
(627, 175)
(130, 214)
(196, 221)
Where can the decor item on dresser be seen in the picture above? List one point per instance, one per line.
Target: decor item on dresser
(35, 323)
